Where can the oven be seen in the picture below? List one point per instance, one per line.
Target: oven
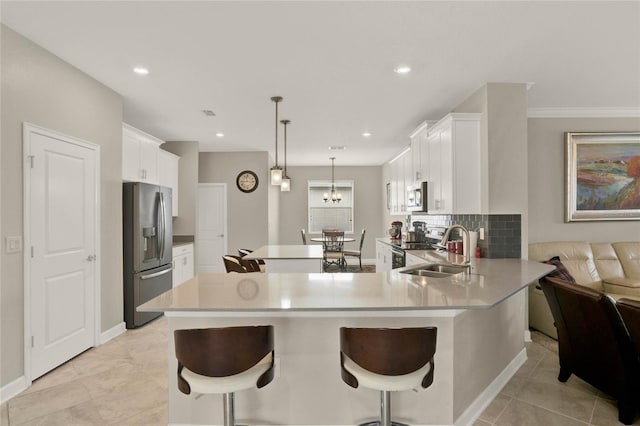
(397, 257)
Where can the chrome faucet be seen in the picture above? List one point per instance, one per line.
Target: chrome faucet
(465, 243)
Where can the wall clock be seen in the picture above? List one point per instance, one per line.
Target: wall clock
(247, 181)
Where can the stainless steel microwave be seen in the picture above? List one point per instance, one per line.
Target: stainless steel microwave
(417, 197)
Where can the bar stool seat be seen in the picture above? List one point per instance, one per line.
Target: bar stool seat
(383, 382)
(241, 381)
(387, 360)
(224, 360)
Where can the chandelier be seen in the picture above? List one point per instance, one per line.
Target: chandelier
(334, 196)
(285, 186)
(276, 171)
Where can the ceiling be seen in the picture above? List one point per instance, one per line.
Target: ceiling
(333, 63)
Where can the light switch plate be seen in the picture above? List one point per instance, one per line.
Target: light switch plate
(13, 244)
(481, 236)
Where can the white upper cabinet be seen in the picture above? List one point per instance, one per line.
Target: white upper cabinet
(419, 154)
(400, 179)
(139, 155)
(454, 165)
(168, 167)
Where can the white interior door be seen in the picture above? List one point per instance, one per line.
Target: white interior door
(212, 227)
(61, 267)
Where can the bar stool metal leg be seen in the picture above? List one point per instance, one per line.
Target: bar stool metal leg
(229, 410)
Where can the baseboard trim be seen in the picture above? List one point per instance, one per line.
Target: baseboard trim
(476, 408)
(112, 333)
(12, 389)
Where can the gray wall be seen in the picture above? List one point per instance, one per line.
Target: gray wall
(247, 225)
(546, 165)
(185, 223)
(368, 205)
(40, 88)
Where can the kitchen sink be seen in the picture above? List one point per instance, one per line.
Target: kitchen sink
(436, 270)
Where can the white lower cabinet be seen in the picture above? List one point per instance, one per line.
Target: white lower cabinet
(383, 257)
(182, 263)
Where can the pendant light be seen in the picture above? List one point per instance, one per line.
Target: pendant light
(335, 197)
(285, 186)
(276, 171)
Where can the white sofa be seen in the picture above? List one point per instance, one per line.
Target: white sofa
(613, 268)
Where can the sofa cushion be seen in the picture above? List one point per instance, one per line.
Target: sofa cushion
(576, 256)
(560, 272)
(629, 255)
(606, 261)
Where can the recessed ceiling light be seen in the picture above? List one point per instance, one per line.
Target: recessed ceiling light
(337, 148)
(366, 134)
(402, 69)
(141, 70)
(220, 135)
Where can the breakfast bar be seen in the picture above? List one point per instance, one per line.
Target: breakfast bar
(480, 319)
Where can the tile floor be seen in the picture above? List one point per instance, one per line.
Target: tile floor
(123, 382)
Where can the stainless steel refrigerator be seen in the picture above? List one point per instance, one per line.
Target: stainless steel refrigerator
(148, 243)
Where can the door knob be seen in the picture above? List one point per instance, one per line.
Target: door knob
(91, 258)
(220, 235)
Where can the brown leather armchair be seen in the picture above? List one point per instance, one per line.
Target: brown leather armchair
(630, 311)
(593, 343)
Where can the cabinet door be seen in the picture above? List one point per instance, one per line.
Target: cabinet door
(168, 167)
(149, 160)
(434, 194)
(188, 271)
(383, 257)
(176, 279)
(407, 178)
(130, 157)
(395, 177)
(446, 172)
(416, 159)
(424, 157)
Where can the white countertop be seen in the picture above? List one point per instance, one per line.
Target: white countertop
(287, 252)
(491, 281)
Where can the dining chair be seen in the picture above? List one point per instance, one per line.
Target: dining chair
(237, 264)
(356, 253)
(333, 248)
(261, 267)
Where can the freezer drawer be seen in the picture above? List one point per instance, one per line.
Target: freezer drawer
(142, 287)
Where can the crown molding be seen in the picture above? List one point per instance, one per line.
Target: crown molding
(583, 112)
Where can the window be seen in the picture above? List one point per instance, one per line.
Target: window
(330, 215)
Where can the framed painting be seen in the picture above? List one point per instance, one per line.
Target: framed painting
(602, 176)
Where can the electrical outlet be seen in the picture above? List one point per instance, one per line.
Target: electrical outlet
(13, 244)
(481, 236)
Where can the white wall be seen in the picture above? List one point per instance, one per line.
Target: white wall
(185, 223)
(248, 225)
(368, 204)
(546, 165)
(40, 88)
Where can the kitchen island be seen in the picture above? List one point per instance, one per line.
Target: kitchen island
(480, 319)
(290, 258)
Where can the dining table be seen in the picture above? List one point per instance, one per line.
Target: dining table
(322, 240)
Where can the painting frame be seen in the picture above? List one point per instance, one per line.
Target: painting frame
(602, 176)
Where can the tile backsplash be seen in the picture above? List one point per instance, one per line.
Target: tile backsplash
(502, 232)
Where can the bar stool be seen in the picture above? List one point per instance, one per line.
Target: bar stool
(224, 361)
(387, 359)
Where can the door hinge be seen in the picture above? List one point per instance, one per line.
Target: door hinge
(31, 157)
(32, 252)
(32, 342)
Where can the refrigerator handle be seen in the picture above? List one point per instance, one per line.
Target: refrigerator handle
(164, 225)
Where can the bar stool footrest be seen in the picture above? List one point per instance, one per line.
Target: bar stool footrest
(379, 423)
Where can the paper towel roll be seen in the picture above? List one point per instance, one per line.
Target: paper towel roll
(473, 242)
